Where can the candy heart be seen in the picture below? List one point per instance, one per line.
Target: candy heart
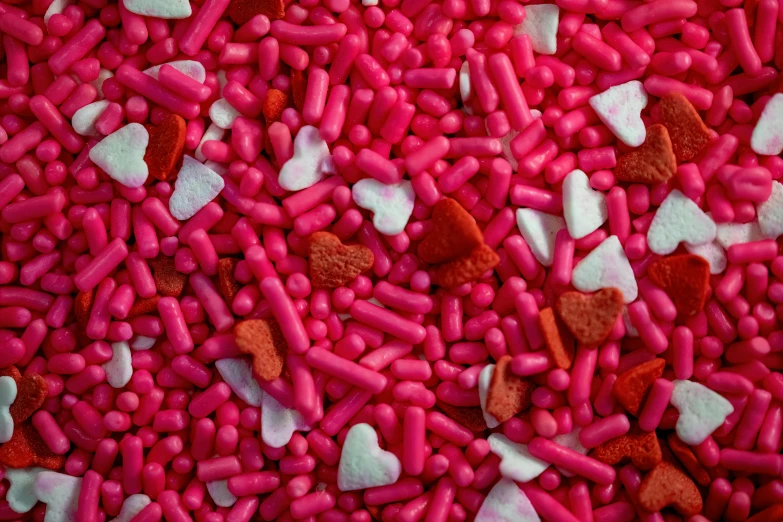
(485, 377)
(213, 132)
(540, 24)
(770, 213)
(241, 11)
(56, 7)
(689, 460)
(132, 506)
(620, 109)
(677, 220)
(465, 88)
(454, 233)
(7, 398)
(274, 104)
(170, 9)
(508, 394)
(738, 233)
(141, 342)
(26, 448)
(392, 205)
(121, 155)
(103, 75)
(190, 68)
(652, 162)
(238, 374)
(310, 163)
(686, 129)
(60, 493)
(584, 208)
(702, 411)
(505, 143)
(606, 267)
(713, 253)
(471, 418)
(298, 88)
(21, 495)
(168, 280)
(264, 341)
(685, 279)
(539, 230)
(667, 485)
(223, 114)
(767, 137)
(632, 386)
(363, 464)
(641, 448)
(119, 369)
(196, 186)
(466, 269)
(590, 318)
(167, 140)
(31, 392)
(227, 282)
(279, 423)
(333, 264)
(557, 340)
(506, 503)
(83, 120)
(516, 462)
(221, 496)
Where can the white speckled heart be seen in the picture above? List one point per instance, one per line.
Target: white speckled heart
(363, 464)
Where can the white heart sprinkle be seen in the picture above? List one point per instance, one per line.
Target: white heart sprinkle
(540, 24)
(584, 208)
(311, 162)
(630, 329)
(238, 374)
(620, 108)
(465, 88)
(571, 441)
(363, 464)
(677, 220)
(56, 7)
(196, 186)
(392, 205)
(516, 462)
(539, 230)
(218, 490)
(767, 137)
(223, 114)
(279, 423)
(60, 493)
(21, 495)
(190, 68)
(141, 342)
(132, 506)
(506, 503)
(119, 369)
(213, 132)
(770, 213)
(604, 267)
(713, 253)
(485, 377)
(84, 119)
(7, 398)
(121, 155)
(702, 411)
(738, 233)
(103, 75)
(168, 9)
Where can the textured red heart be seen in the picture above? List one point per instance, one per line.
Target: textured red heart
(668, 485)
(466, 269)
(641, 448)
(240, 11)
(632, 386)
(333, 264)
(508, 393)
(686, 129)
(166, 144)
(685, 279)
(31, 391)
(590, 317)
(652, 162)
(263, 340)
(26, 448)
(454, 234)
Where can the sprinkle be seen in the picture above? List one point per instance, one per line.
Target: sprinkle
(454, 234)
(641, 448)
(83, 120)
(274, 103)
(26, 448)
(363, 464)
(311, 162)
(119, 369)
(540, 24)
(557, 339)
(241, 11)
(7, 398)
(590, 318)
(620, 109)
(31, 392)
(238, 374)
(539, 230)
(264, 341)
(685, 279)
(196, 186)
(686, 129)
(584, 208)
(606, 266)
(667, 485)
(392, 205)
(121, 155)
(278, 423)
(60, 493)
(516, 462)
(702, 411)
(508, 394)
(652, 162)
(170, 9)
(506, 503)
(132, 506)
(631, 387)
(679, 220)
(166, 143)
(168, 281)
(21, 494)
(333, 264)
(767, 137)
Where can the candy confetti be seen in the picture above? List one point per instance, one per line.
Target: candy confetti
(702, 411)
(60, 493)
(132, 506)
(7, 397)
(196, 186)
(21, 493)
(506, 503)
(620, 108)
(121, 155)
(363, 464)
(310, 163)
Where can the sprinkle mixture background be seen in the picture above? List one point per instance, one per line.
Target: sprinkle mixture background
(391, 260)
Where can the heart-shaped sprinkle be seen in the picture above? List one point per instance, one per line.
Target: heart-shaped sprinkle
(223, 114)
(686, 129)
(363, 464)
(738, 233)
(466, 269)
(298, 87)
(167, 142)
(168, 10)
(506, 503)
(56, 7)
(333, 264)
(221, 496)
(632, 386)
(713, 253)
(516, 462)
(143, 306)
(540, 24)
(584, 208)
(274, 103)
(685, 279)
(620, 109)
(484, 380)
(455, 233)
(770, 213)
(196, 186)
(606, 266)
(168, 280)
(26, 448)
(311, 162)
(227, 282)
(121, 155)
(640, 447)
(83, 120)
(279, 423)
(767, 137)
(142, 342)
(539, 230)
(590, 318)
(264, 341)
(702, 411)
(651, 163)
(558, 341)
(238, 374)
(213, 132)
(240, 11)
(192, 68)
(132, 506)
(82, 305)
(119, 369)
(508, 394)
(677, 220)
(31, 392)
(465, 89)
(689, 460)
(471, 418)
(21, 495)
(392, 205)
(60, 493)
(667, 485)
(7, 398)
